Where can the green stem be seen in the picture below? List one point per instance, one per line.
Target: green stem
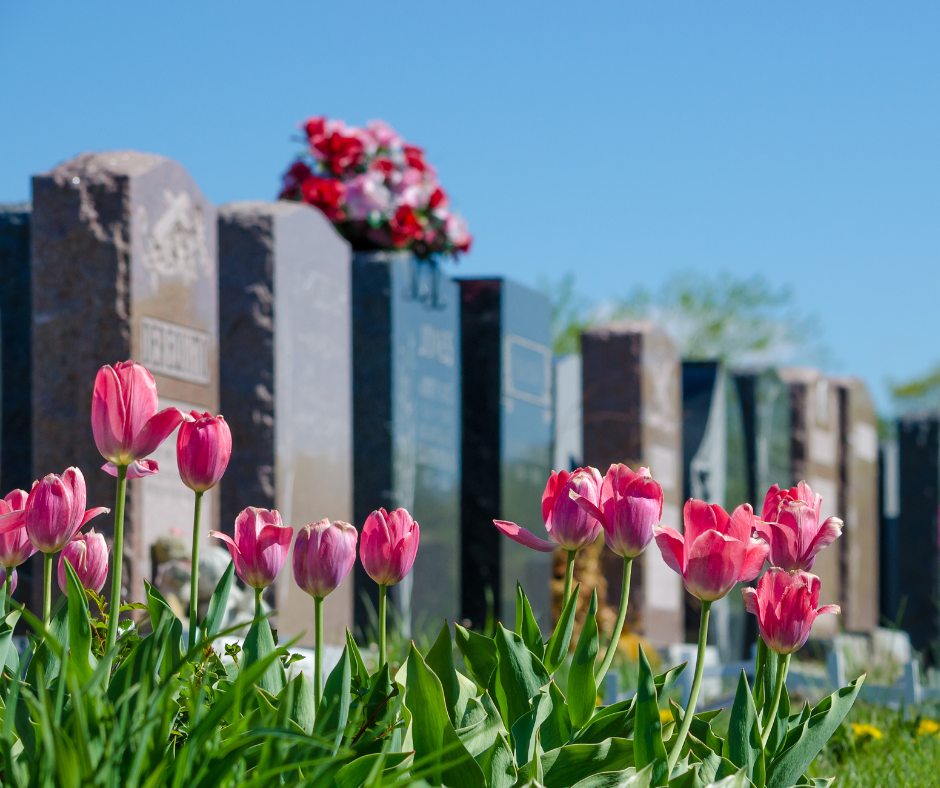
(318, 654)
(696, 685)
(6, 592)
(569, 576)
(778, 692)
(47, 559)
(618, 628)
(194, 575)
(117, 568)
(759, 668)
(259, 607)
(382, 591)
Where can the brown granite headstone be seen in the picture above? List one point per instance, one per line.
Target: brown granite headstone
(632, 401)
(124, 265)
(286, 382)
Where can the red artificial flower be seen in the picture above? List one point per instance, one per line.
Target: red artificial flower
(415, 157)
(341, 151)
(316, 130)
(405, 226)
(294, 179)
(327, 194)
(383, 164)
(438, 199)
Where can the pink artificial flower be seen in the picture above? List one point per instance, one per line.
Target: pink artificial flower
(456, 228)
(260, 546)
(790, 525)
(785, 605)
(55, 510)
(88, 555)
(630, 505)
(389, 545)
(125, 421)
(716, 551)
(13, 578)
(15, 546)
(203, 449)
(324, 553)
(568, 524)
(384, 134)
(365, 195)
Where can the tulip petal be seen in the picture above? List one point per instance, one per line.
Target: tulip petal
(828, 533)
(834, 609)
(12, 521)
(757, 550)
(92, 513)
(524, 537)
(138, 469)
(782, 541)
(155, 431)
(697, 517)
(751, 600)
(588, 507)
(771, 504)
(108, 413)
(742, 523)
(229, 542)
(671, 545)
(555, 483)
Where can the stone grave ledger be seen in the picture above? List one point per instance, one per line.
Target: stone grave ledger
(507, 433)
(632, 400)
(568, 442)
(714, 470)
(406, 426)
(124, 265)
(286, 383)
(858, 547)
(815, 409)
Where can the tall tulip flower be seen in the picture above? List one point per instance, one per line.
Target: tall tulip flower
(785, 605)
(88, 555)
(715, 552)
(324, 553)
(128, 426)
(203, 449)
(15, 546)
(631, 504)
(567, 522)
(790, 524)
(388, 548)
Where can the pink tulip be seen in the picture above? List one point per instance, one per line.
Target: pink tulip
(389, 545)
(260, 546)
(15, 546)
(790, 525)
(203, 449)
(55, 510)
(716, 551)
(125, 421)
(631, 504)
(568, 524)
(785, 605)
(3, 578)
(88, 555)
(323, 555)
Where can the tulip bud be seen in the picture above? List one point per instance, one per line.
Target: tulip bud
(785, 605)
(389, 545)
(260, 546)
(323, 555)
(88, 555)
(125, 421)
(55, 510)
(3, 578)
(15, 546)
(203, 449)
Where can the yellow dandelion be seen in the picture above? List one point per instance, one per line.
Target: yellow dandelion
(665, 716)
(863, 731)
(928, 727)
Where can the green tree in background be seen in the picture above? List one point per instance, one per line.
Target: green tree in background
(921, 393)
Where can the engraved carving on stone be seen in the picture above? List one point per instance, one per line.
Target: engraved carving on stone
(174, 246)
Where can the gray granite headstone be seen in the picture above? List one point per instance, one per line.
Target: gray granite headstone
(286, 381)
(124, 265)
(568, 441)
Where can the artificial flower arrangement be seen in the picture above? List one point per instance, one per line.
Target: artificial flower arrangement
(94, 701)
(378, 190)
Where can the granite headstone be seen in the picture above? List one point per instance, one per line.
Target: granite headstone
(568, 443)
(124, 265)
(766, 411)
(507, 432)
(632, 400)
(285, 312)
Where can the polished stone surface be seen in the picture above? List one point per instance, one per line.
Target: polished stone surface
(507, 435)
(406, 425)
(568, 443)
(286, 382)
(766, 409)
(124, 264)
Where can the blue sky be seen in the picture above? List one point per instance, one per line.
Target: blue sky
(621, 141)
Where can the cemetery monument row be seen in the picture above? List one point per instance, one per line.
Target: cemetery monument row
(286, 381)
(632, 399)
(406, 425)
(124, 265)
(507, 432)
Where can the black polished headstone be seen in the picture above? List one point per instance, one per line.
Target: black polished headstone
(766, 412)
(406, 424)
(507, 436)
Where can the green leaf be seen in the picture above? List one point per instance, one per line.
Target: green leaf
(567, 765)
(440, 659)
(483, 735)
(355, 773)
(161, 611)
(557, 648)
(333, 713)
(778, 733)
(80, 655)
(259, 643)
(582, 687)
(218, 602)
(627, 778)
(519, 676)
(736, 780)
(556, 730)
(479, 654)
(358, 666)
(303, 708)
(648, 747)
(525, 731)
(499, 769)
(614, 721)
(687, 777)
(709, 760)
(47, 655)
(527, 626)
(743, 740)
(803, 743)
(8, 653)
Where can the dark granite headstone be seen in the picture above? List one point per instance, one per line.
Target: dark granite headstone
(766, 411)
(507, 431)
(406, 424)
(286, 381)
(124, 265)
(632, 401)
(889, 509)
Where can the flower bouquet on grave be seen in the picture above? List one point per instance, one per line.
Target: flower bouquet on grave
(377, 189)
